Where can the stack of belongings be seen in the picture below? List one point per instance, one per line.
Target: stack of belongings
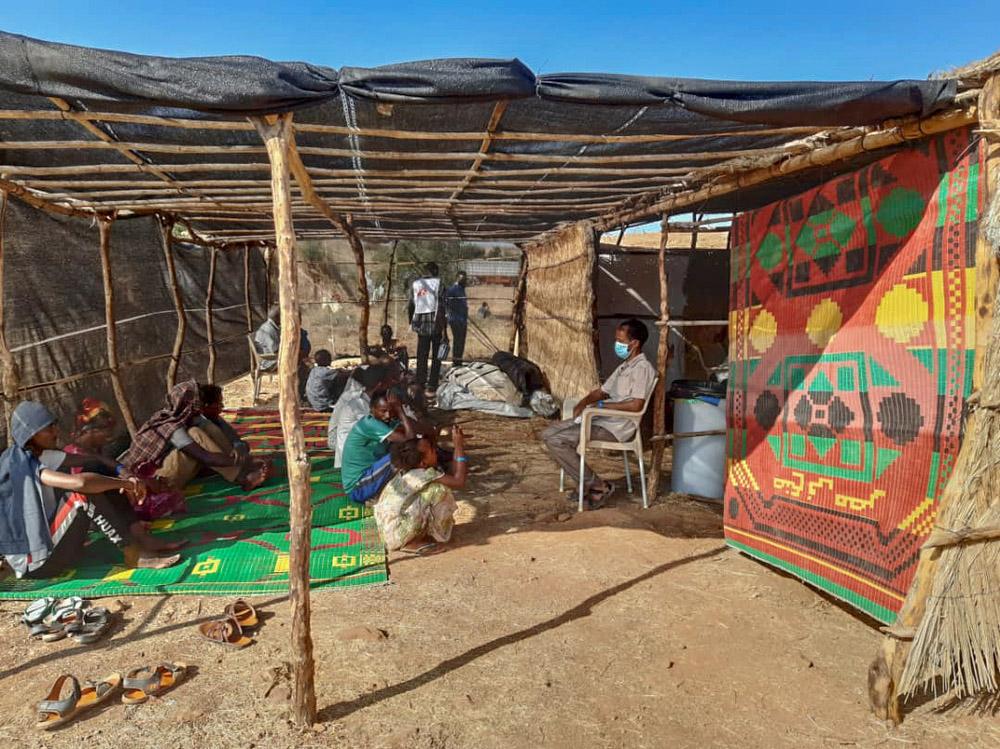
(530, 381)
(480, 386)
(508, 385)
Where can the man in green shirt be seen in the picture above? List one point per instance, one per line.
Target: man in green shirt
(365, 466)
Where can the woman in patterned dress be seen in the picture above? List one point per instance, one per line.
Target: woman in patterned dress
(415, 512)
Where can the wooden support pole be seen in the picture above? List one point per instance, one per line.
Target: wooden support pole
(9, 375)
(364, 304)
(209, 323)
(388, 283)
(167, 233)
(886, 671)
(662, 360)
(517, 313)
(694, 232)
(276, 132)
(268, 256)
(104, 229)
(248, 310)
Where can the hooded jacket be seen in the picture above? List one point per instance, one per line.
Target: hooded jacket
(25, 540)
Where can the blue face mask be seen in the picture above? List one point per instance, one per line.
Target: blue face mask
(621, 350)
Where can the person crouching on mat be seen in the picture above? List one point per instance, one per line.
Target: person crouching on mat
(178, 441)
(416, 510)
(46, 515)
(366, 466)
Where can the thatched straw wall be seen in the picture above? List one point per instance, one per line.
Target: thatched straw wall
(559, 321)
(958, 637)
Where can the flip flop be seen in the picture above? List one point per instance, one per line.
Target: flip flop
(92, 625)
(144, 682)
(36, 611)
(243, 613)
(55, 711)
(53, 627)
(425, 549)
(226, 632)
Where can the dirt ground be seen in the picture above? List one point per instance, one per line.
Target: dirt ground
(537, 628)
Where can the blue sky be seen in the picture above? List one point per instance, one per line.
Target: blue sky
(764, 40)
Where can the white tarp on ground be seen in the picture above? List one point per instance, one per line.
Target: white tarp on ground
(480, 386)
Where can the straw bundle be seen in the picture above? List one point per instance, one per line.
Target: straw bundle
(957, 642)
(559, 310)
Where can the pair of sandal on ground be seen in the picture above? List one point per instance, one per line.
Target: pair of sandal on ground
(51, 619)
(139, 684)
(230, 630)
(595, 494)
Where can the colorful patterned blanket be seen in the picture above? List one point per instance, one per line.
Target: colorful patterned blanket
(852, 339)
(238, 540)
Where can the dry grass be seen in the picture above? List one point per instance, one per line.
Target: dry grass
(559, 309)
(957, 643)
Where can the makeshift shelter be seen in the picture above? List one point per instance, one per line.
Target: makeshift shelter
(473, 149)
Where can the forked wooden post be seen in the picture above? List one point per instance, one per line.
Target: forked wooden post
(9, 378)
(167, 232)
(364, 302)
(886, 671)
(276, 132)
(209, 324)
(662, 360)
(104, 230)
(345, 225)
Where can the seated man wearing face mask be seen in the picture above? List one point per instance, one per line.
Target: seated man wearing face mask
(626, 389)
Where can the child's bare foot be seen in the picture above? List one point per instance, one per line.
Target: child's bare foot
(139, 558)
(157, 563)
(254, 479)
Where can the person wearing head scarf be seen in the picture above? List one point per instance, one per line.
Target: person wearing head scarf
(94, 428)
(177, 442)
(46, 515)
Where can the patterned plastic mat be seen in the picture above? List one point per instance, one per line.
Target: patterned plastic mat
(238, 541)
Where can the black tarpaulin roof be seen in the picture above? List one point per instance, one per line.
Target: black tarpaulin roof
(455, 148)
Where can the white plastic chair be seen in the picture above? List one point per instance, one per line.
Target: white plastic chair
(257, 360)
(633, 445)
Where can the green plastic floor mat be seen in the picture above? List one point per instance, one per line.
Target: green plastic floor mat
(238, 545)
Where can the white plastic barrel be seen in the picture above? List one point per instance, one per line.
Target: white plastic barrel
(699, 462)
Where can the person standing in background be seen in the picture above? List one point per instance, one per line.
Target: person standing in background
(456, 306)
(427, 319)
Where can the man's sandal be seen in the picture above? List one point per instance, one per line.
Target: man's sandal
(55, 711)
(422, 549)
(92, 625)
(63, 614)
(144, 682)
(597, 499)
(226, 632)
(244, 614)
